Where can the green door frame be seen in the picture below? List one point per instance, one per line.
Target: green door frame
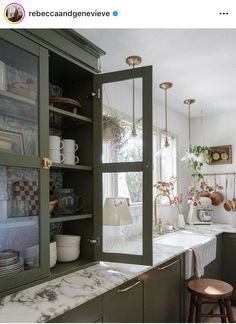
(10, 160)
(145, 166)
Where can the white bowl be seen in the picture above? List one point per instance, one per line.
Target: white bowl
(53, 246)
(53, 261)
(68, 244)
(32, 251)
(67, 239)
(67, 253)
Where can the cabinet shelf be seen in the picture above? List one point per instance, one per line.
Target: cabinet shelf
(72, 167)
(62, 268)
(15, 97)
(69, 218)
(63, 119)
(18, 107)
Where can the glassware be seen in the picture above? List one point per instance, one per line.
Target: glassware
(68, 201)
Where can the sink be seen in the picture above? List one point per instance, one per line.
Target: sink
(183, 239)
(188, 240)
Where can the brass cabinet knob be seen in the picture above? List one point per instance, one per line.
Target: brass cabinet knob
(47, 163)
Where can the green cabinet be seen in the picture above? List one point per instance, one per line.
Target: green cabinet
(41, 64)
(163, 292)
(23, 137)
(124, 304)
(90, 312)
(228, 260)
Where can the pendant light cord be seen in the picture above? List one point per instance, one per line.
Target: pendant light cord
(133, 130)
(189, 129)
(166, 142)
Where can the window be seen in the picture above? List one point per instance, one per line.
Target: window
(165, 165)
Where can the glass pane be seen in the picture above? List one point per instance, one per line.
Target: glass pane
(120, 144)
(18, 101)
(122, 213)
(19, 220)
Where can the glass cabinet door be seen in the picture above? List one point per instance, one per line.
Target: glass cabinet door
(123, 166)
(21, 175)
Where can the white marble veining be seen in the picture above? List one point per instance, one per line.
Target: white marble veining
(52, 298)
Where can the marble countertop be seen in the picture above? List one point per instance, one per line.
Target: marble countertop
(50, 299)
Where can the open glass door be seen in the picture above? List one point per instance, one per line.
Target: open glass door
(123, 166)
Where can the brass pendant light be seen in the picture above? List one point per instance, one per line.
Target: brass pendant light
(133, 61)
(188, 154)
(165, 86)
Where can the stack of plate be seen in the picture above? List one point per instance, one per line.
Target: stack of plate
(10, 263)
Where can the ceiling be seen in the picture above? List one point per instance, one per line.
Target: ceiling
(201, 63)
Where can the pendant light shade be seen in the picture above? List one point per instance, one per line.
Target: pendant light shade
(189, 155)
(133, 61)
(165, 86)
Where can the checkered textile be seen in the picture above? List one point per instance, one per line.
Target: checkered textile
(27, 191)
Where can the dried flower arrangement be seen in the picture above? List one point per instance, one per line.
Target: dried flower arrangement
(166, 188)
(203, 190)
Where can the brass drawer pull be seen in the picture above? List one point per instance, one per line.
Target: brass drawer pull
(128, 288)
(168, 265)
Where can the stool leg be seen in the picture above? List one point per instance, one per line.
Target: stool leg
(191, 309)
(198, 310)
(222, 311)
(229, 310)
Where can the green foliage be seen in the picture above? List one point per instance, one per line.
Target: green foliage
(196, 166)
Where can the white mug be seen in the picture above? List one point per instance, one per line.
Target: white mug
(3, 76)
(55, 143)
(56, 156)
(69, 146)
(70, 158)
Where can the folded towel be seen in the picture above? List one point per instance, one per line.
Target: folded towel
(198, 264)
(203, 255)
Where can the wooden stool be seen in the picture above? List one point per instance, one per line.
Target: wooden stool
(210, 291)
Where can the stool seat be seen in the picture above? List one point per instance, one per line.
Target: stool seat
(204, 291)
(210, 288)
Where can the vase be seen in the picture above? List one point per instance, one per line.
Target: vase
(181, 221)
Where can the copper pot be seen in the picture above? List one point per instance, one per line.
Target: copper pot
(217, 198)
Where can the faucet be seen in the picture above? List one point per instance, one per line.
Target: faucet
(155, 207)
(160, 229)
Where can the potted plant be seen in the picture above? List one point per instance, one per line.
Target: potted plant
(204, 156)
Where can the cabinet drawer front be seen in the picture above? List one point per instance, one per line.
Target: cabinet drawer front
(163, 292)
(89, 312)
(124, 304)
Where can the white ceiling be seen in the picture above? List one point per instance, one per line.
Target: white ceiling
(201, 63)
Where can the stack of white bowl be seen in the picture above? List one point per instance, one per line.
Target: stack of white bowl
(31, 256)
(53, 254)
(68, 247)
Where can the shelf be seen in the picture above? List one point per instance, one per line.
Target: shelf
(72, 167)
(65, 119)
(62, 268)
(17, 107)
(66, 218)
(15, 97)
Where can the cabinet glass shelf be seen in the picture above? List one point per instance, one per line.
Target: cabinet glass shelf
(15, 97)
(66, 218)
(72, 167)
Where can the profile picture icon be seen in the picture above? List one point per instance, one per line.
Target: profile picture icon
(14, 13)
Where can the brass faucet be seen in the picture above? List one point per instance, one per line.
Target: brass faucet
(160, 228)
(155, 208)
